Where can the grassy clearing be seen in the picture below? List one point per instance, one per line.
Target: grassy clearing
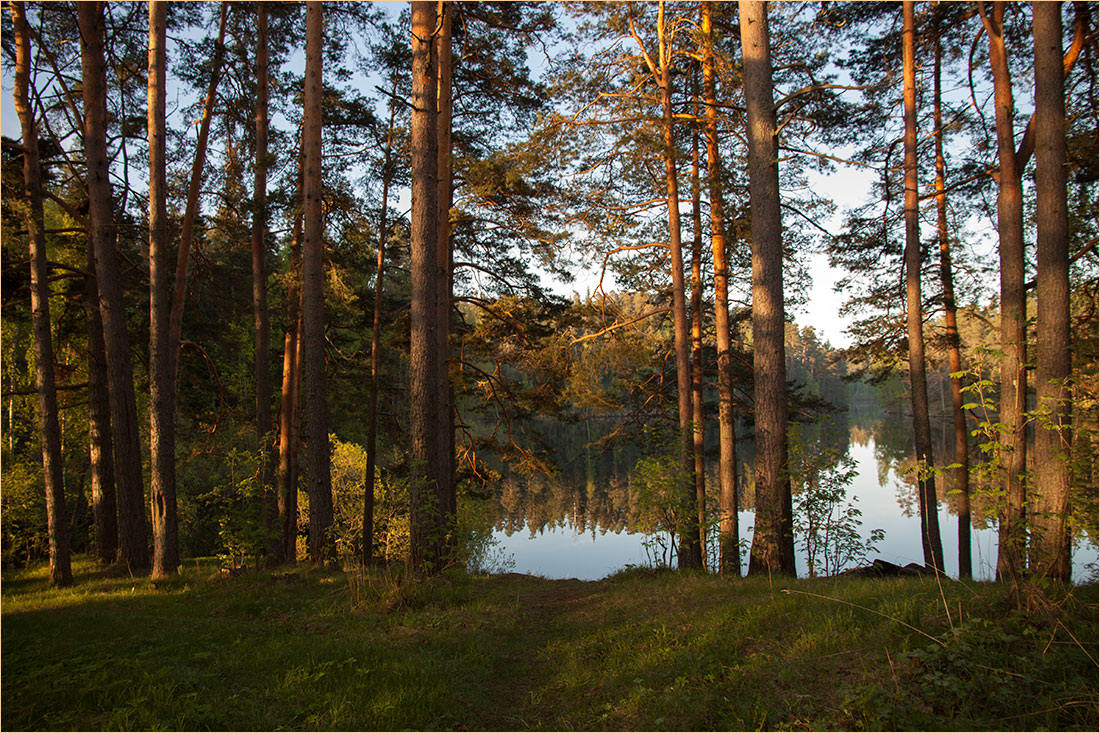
(642, 650)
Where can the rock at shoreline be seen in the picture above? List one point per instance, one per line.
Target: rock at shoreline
(883, 569)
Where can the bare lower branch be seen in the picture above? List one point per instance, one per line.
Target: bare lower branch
(615, 326)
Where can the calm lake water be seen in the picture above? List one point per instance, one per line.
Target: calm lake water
(579, 524)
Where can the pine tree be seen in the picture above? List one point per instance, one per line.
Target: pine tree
(162, 440)
(918, 389)
(1011, 547)
(321, 543)
(1050, 536)
(49, 427)
(773, 541)
(132, 546)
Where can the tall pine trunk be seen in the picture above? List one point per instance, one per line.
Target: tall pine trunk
(950, 318)
(286, 476)
(261, 320)
(425, 508)
(376, 340)
(446, 469)
(161, 394)
(53, 469)
(773, 541)
(728, 536)
(321, 543)
(918, 384)
(962, 456)
(132, 545)
(689, 552)
(164, 356)
(1050, 540)
(1011, 535)
(101, 466)
(697, 416)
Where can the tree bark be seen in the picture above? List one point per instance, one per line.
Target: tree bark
(950, 317)
(1011, 534)
(1050, 540)
(425, 508)
(289, 414)
(689, 552)
(132, 545)
(773, 541)
(697, 416)
(376, 341)
(446, 469)
(728, 535)
(162, 441)
(1080, 33)
(918, 384)
(261, 320)
(322, 546)
(53, 467)
(166, 320)
(101, 467)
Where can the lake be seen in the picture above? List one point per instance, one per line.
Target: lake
(584, 522)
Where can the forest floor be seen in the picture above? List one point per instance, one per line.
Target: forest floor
(642, 650)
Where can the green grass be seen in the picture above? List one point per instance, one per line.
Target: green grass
(642, 650)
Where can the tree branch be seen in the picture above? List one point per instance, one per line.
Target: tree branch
(615, 326)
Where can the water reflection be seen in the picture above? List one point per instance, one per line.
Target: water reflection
(592, 517)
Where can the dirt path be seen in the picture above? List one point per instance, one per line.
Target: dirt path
(548, 614)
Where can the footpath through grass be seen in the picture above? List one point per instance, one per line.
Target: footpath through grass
(316, 650)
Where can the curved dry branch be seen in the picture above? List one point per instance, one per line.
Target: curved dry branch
(615, 326)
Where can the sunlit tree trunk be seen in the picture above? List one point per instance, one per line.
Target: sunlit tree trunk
(162, 440)
(950, 317)
(321, 543)
(53, 469)
(165, 336)
(1050, 540)
(446, 470)
(376, 341)
(697, 344)
(689, 553)
(261, 320)
(773, 541)
(287, 473)
(132, 546)
(1011, 549)
(728, 540)
(425, 508)
(918, 384)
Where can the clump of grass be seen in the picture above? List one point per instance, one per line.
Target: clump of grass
(394, 588)
(631, 572)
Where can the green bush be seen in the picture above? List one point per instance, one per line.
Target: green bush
(23, 513)
(826, 523)
(976, 675)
